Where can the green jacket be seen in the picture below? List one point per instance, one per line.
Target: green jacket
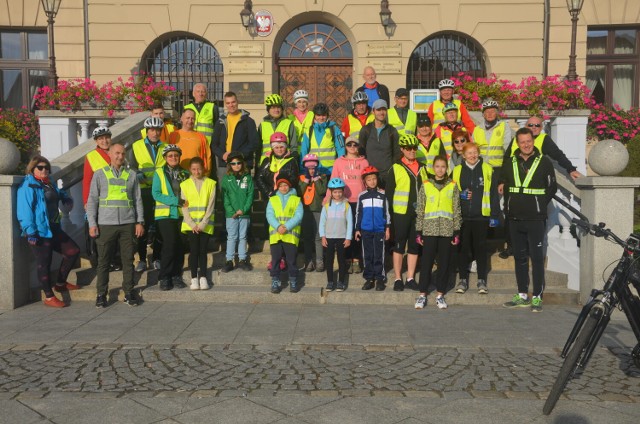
(237, 194)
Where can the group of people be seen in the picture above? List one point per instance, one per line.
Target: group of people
(426, 186)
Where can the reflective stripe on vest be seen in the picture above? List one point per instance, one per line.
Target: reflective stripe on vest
(292, 236)
(438, 116)
(487, 172)
(523, 187)
(198, 202)
(538, 142)
(117, 194)
(492, 150)
(355, 126)
(409, 127)
(302, 127)
(267, 130)
(162, 210)
(204, 119)
(145, 162)
(96, 161)
(326, 151)
(439, 203)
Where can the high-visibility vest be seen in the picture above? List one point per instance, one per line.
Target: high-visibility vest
(283, 215)
(445, 134)
(439, 203)
(164, 134)
(408, 127)
(146, 164)
(538, 142)
(117, 193)
(355, 126)
(267, 129)
(438, 115)
(162, 210)
(403, 187)
(204, 119)
(487, 172)
(302, 127)
(434, 150)
(198, 202)
(96, 161)
(326, 150)
(491, 150)
(523, 187)
(422, 153)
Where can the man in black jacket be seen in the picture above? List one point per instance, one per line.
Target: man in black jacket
(234, 132)
(530, 183)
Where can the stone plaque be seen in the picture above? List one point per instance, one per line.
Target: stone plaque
(384, 49)
(386, 66)
(246, 67)
(248, 92)
(252, 49)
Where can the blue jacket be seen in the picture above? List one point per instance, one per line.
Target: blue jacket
(32, 208)
(372, 211)
(297, 215)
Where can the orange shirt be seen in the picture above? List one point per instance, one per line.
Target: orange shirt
(192, 144)
(414, 167)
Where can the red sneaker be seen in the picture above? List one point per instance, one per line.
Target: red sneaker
(65, 287)
(283, 265)
(54, 302)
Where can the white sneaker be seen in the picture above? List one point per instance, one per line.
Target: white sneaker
(473, 267)
(421, 302)
(194, 284)
(204, 285)
(141, 266)
(440, 303)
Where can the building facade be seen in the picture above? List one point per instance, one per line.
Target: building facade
(319, 45)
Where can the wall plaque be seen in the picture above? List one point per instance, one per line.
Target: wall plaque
(246, 66)
(384, 49)
(253, 49)
(248, 92)
(386, 66)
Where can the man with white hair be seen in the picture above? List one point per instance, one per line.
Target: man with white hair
(206, 111)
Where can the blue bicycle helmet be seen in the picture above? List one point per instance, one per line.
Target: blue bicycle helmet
(335, 183)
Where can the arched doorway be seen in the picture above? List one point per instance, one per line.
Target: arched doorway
(444, 55)
(181, 60)
(317, 57)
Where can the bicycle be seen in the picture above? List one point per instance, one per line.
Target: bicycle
(596, 313)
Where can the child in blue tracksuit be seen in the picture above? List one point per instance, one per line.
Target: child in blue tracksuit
(372, 226)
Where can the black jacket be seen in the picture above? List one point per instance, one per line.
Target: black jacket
(549, 148)
(473, 179)
(521, 206)
(265, 181)
(381, 151)
(245, 138)
(414, 186)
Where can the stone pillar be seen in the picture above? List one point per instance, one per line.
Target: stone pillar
(84, 130)
(57, 135)
(569, 131)
(609, 200)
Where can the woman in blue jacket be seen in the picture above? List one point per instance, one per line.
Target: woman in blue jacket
(39, 219)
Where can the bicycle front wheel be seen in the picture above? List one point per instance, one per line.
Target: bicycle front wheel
(572, 359)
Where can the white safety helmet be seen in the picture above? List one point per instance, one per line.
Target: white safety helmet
(359, 97)
(153, 122)
(300, 94)
(488, 104)
(446, 83)
(100, 131)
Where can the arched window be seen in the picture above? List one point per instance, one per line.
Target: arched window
(442, 56)
(315, 40)
(182, 60)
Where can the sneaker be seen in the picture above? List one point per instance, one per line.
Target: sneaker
(421, 302)
(504, 254)
(275, 286)
(156, 265)
(340, 287)
(54, 302)
(177, 282)
(462, 286)
(283, 265)
(380, 286)
(482, 287)
(245, 265)
(411, 284)
(101, 301)
(141, 266)
(536, 304)
(331, 286)
(517, 302)
(165, 284)
(65, 287)
(115, 267)
(310, 267)
(228, 266)
(440, 302)
(294, 287)
(398, 285)
(131, 299)
(204, 284)
(357, 268)
(194, 284)
(368, 285)
(473, 267)
(320, 267)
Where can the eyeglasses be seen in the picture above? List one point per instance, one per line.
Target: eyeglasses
(534, 125)
(43, 167)
(410, 147)
(235, 163)
(352, 144)
(460, 140)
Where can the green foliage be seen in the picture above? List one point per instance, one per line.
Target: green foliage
(633, 170)
(21, 127)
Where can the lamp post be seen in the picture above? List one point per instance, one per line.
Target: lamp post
(51, 8)
(574, 6)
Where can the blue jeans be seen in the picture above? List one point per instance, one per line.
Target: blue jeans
(237, 235)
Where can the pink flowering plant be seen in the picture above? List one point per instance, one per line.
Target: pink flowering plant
(614, 123)
(137, 93)
(20, 126)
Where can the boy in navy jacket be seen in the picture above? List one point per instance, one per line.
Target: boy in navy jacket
(372, 226)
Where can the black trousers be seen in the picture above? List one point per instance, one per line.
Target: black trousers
(432, 248)
(289, 252)
(172, 257)
(473, 241)
(43, 251)
(149, 206)
(527, 241)
(335, 246)
(110, 237)
(198, 253)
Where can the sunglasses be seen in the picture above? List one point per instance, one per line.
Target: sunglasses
(460, 140)
(235, 163)
(534, 125)
(352, 144)
(411, 148)
(43, 167)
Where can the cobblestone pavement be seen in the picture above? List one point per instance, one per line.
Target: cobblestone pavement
(339, 370)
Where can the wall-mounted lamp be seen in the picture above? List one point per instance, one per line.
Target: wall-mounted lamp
(247, 14)
(385, 18)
